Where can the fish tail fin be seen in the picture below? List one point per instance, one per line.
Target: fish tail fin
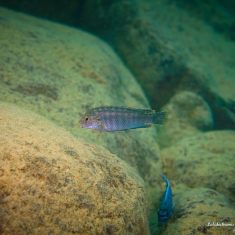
(159, 117)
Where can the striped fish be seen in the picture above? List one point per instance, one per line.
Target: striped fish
(166, 206)
(120, 118)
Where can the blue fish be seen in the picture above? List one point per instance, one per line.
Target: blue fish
(120, 118)
(166, 206)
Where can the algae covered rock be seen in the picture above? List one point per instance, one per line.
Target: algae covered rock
(198, 210)
(168, 50)
(204, 160)
(60, 72)
(187, 114)
(53, 183)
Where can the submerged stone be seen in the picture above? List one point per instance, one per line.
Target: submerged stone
(60, 72)
(204, 160)
(200, 211)
(187, 115)
(169, 51)
(53, 183)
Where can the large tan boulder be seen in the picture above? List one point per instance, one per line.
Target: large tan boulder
(60, 72)
(53, 183)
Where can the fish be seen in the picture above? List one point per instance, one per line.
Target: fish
(166, 205)
(109, 118)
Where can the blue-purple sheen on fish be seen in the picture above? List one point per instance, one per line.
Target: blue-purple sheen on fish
(120, 118)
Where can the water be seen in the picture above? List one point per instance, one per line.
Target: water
(59, 59)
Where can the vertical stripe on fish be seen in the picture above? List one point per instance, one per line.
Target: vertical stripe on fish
(120, 118)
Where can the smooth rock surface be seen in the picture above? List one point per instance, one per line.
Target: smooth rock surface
(53, 183)
(59, 72)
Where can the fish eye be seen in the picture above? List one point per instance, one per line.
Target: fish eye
(86, 118)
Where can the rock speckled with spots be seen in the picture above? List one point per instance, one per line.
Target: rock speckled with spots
(204, 160)
(53, 183)
(60, 72)
(195, 208)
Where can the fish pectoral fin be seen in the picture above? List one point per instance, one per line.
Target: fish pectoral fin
(101, 125)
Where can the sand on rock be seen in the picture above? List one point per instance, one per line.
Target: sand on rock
(204, 160)
(198, 210)
(53, 183)
(60, 72)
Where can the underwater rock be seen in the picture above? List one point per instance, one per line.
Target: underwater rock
(197, 211)
(53, 183)
(217, 14)
(187, 114)
(60, 72)
(204, 160)
(168, 50)
(57, 10)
